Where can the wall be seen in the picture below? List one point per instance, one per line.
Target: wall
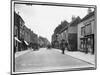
(79, 34)
(72, 29)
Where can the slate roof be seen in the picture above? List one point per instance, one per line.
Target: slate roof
(63, 25)
(76, 21)
(88, 16)
(16, 19)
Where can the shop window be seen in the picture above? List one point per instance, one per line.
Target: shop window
(81, 44)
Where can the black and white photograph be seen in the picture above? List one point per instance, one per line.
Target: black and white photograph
(52, 37)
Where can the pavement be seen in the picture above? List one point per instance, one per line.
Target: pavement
(19, 53)
(90, 58)
(47, 60)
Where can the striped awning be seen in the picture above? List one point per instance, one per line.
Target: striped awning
(26, 42)
(17, 39)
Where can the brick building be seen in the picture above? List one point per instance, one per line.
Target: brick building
(72, 33)
(18, 21)
(60, 33)
(87, 34)
(43, 42)
(23, 36)
(68, 32)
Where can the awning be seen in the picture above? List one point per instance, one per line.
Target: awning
(26, 42)
(17, 39)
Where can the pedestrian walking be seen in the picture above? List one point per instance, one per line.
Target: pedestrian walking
(62, 46)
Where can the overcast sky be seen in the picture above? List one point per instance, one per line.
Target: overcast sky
(44, 19)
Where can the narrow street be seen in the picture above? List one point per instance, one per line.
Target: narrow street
(47, 59)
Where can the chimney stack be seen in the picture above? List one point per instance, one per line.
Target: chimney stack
(89, 10)
(73, 18)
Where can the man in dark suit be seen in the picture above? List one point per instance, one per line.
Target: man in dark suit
(62, 46)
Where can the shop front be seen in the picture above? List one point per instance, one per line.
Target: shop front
(17, 43)
(87, 44)
(90, 43)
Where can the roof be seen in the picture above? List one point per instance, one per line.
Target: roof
(76, 21)
(17, 17)
(88, 16)
(61, 26)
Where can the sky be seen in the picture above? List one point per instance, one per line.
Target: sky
(43, 19)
